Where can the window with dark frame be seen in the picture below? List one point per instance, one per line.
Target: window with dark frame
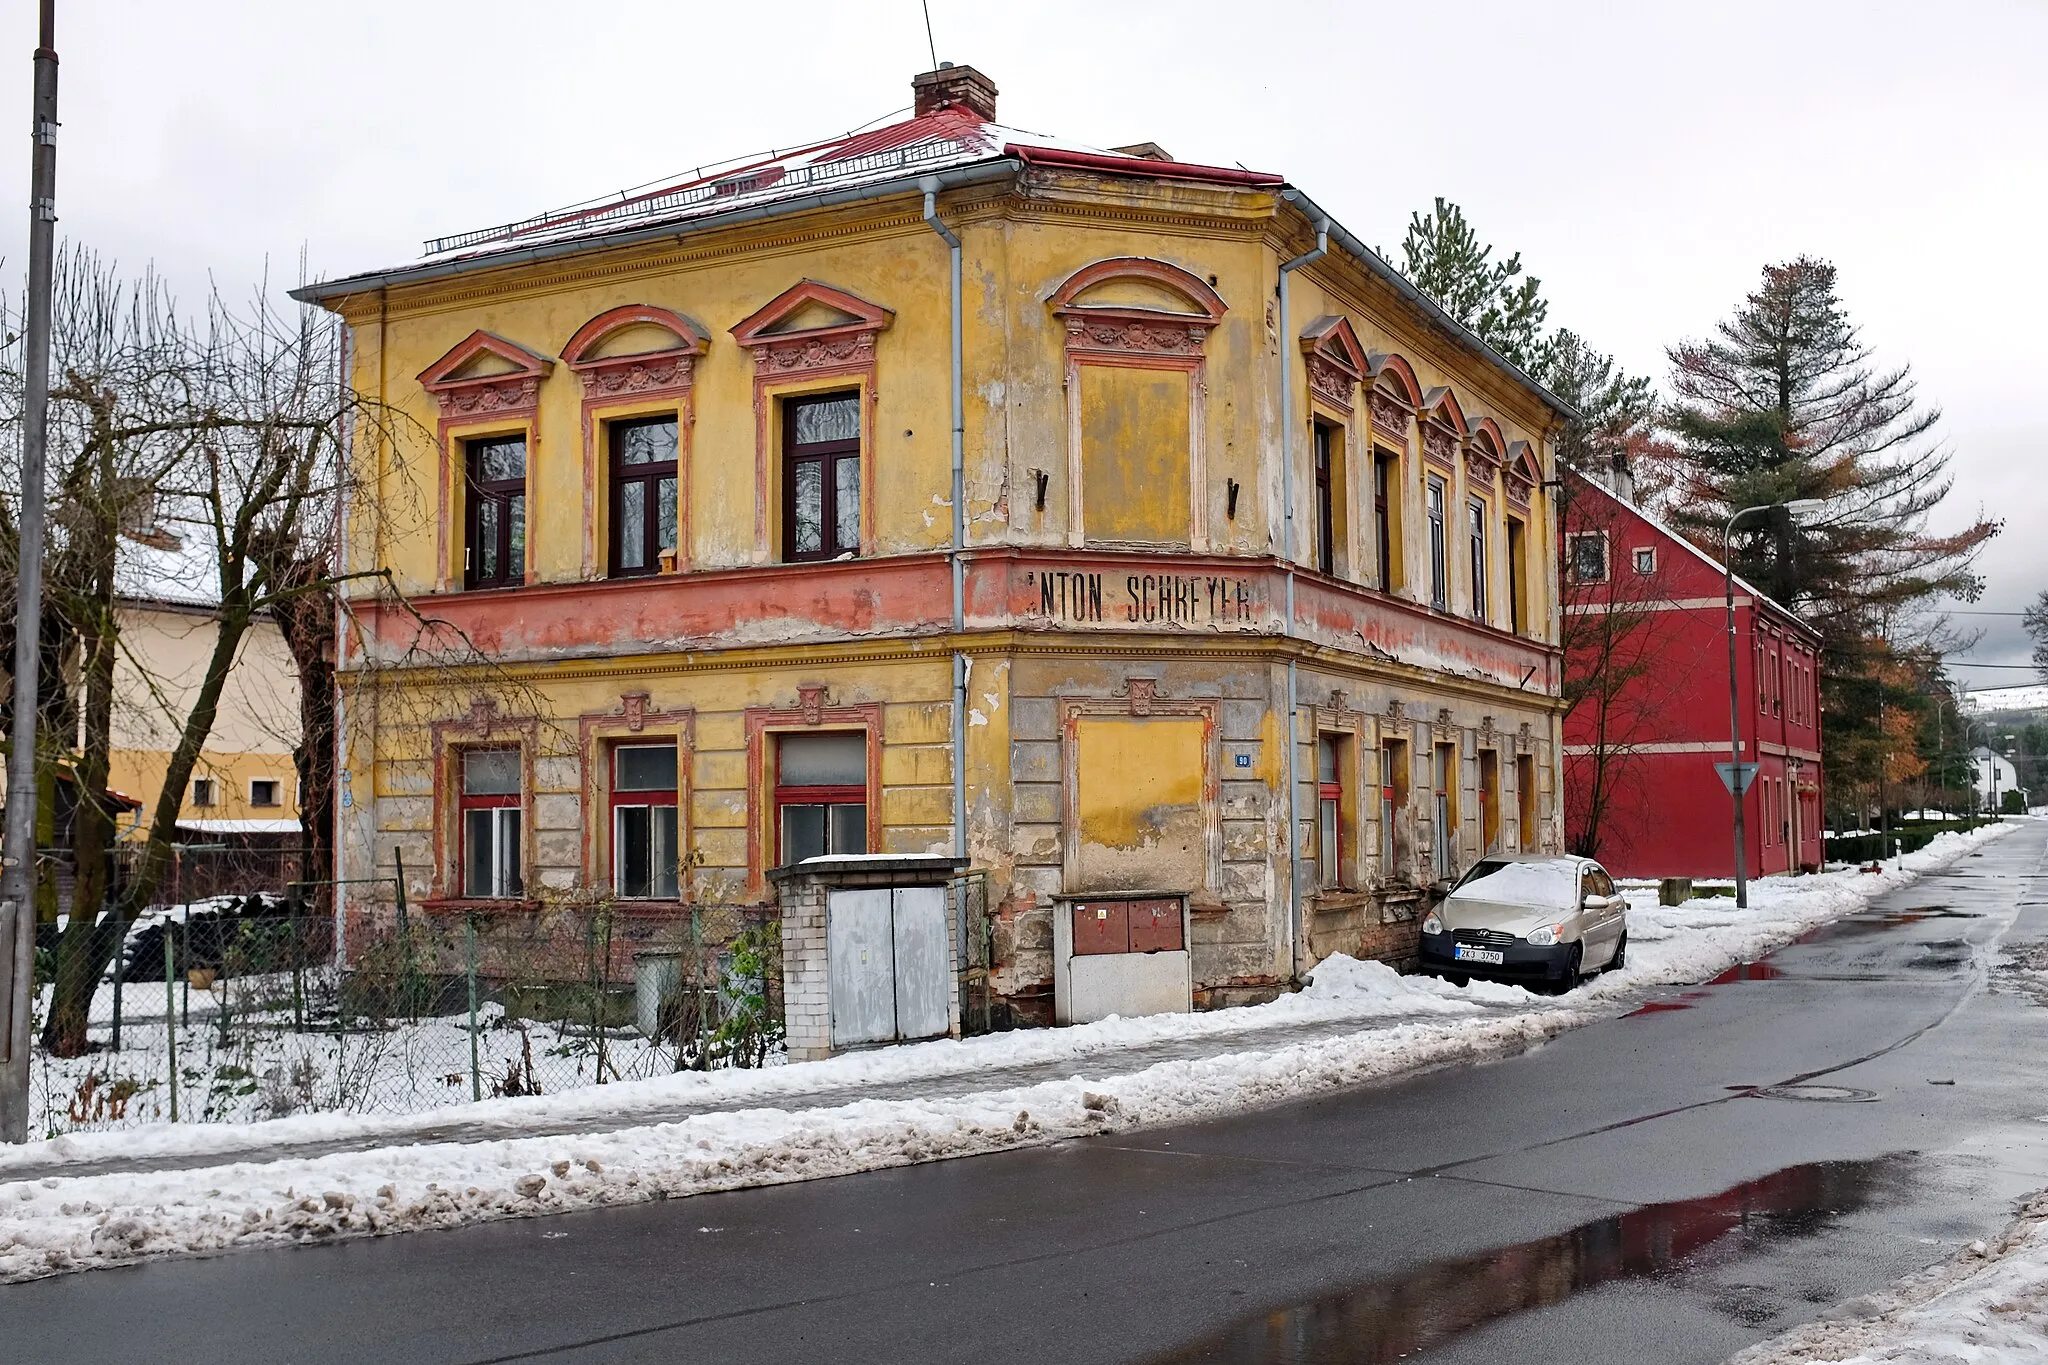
(489, 786)
(1518, 611)
(1589, 557)
(821, 477)
(1439, 552)
(643, 498)
(263, 791)
(1646, 560)
(1330, 842)
(1475, 527)
(821, 795)
(1326, 516)
(644, 828)
(494, 550)
(1382, 518)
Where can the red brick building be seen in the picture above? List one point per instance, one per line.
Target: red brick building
(1646, 664)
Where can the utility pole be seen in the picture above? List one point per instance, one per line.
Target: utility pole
(18, 853)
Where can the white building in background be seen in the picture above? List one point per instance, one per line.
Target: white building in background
(1994, 776)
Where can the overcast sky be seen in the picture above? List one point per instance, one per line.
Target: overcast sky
(1646, 159)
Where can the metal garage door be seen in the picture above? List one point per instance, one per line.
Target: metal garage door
(888, 971)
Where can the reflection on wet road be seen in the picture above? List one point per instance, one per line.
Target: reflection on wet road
(1391, 1318)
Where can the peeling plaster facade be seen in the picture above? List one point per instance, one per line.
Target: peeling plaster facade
(1124, 582)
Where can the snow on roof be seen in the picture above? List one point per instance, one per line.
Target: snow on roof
(271, 826)
(946, 138)
(2025, 697)
(176, 568)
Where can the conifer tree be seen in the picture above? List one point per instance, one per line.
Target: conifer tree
(1782, 403)
(1444, 258)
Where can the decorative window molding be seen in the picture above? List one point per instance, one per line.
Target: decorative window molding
(633, 384)
(485, 727)
(790, 358)
(490, 400)
(1394, 398)
(1443, 428)
(596, 733)
(1138, 336)
(1336, 362)
(1485, 451)
(1522, 475)
(813, 711)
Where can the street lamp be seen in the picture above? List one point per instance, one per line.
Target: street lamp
(1797, 507)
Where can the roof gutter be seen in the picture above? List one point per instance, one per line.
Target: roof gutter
(1457, 331)
(974, 174)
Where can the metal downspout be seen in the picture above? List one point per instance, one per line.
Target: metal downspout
(1287, 268)
(930, 186)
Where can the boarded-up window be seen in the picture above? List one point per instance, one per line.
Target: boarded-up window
(1134, 455)
(1139, 805)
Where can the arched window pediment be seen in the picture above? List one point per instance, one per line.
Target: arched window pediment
(1486, 449)
(633, 368)
(1137, 304)
(1336, 362)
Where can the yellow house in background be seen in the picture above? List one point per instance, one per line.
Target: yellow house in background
(1118, 528)
(246, 781)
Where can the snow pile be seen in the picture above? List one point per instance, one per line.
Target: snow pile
(1987, 1303)
(52, 1224)
(55, 1225)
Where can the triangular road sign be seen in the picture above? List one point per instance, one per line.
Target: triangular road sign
(1736, 777)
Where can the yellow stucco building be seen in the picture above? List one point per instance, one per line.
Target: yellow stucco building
(1089, 516)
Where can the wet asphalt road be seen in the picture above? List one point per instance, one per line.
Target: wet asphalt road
(1626, 1193)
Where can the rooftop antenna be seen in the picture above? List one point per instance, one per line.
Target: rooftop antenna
(928, 33)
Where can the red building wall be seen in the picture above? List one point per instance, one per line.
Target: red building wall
(1646, 657)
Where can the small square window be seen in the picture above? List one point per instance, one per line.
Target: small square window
(1589, 557)
(1646, 560)
(263, 791)
(202, 791)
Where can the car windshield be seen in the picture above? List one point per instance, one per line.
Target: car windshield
(1554, 884)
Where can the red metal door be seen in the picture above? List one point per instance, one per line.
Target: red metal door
(1101, 927)
(1156, 927)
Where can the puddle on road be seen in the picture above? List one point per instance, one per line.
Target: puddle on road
(1748, 971)
(1398, 1317)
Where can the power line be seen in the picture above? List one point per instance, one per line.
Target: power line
(928, 42)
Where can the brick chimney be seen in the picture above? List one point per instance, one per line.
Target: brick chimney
(955, 86)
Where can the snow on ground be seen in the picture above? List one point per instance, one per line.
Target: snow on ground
(51, 1223)
(1989, 1302)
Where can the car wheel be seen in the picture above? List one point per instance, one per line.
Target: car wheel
(1620, 959)
(1573, 964)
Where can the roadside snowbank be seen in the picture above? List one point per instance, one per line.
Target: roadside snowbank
(1989, 1302)
(53, 1224)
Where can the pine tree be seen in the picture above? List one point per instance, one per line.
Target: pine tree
(1443, 257)
(1783, 403)
(1614, 431)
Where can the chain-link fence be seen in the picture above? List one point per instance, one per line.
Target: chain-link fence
(242, 1008)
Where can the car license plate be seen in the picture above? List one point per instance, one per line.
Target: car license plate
(1490, 955)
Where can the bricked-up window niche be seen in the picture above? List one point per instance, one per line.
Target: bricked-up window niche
(489, 829)
(821, 476)
(643, 494)
(494, 554)
(645, 851)
(820, 795)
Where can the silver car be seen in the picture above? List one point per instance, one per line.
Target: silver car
(1540, 920)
